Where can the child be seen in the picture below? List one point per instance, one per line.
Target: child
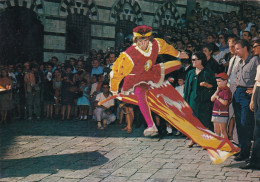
(221, 98)
(180, 89)
(83, 101)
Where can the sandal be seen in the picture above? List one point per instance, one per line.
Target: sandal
(124, 129)
(100, 127)
(190, 144)
(129, 131)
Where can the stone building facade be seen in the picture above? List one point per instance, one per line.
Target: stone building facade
(73, 27)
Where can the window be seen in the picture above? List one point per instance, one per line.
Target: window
(78, 34)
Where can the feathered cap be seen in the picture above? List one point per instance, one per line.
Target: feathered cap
(142, 31)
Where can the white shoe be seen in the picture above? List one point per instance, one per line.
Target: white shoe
(152, 131)
(85, 117)
(169, 130)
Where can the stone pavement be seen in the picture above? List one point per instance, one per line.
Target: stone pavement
(52, 150)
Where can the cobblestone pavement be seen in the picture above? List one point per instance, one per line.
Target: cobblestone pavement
(52, 150)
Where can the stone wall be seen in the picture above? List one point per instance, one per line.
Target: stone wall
(103, 15)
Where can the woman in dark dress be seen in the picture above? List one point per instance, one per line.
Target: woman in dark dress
(67, 97)
(200, 84)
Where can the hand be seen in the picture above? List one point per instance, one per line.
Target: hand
(203, 84)
(249, 91)
(183, 55)
(218, 89)
(251, 106)
(171, 80)
(115, 93)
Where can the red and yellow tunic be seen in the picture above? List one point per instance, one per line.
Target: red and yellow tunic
(138, 66)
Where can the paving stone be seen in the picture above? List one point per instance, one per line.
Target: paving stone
(254, 174)
(140, 176)
(50, 178)
(68, 180)
(159, 180)
(90, 179)
(165, 173)
(114, 179)
(124, 172)
(188, 173)
(34, 177)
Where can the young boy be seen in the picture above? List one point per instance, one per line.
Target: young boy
(221, 98)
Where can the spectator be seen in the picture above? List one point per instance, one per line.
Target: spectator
(254, 162)
(245, 74)
(128, 111)
(6, 96)
(32, 83)
(222, 43)
(83, 101)
(247, 36)
(200, 85)
(243, 26)
(18, 92)
(221, 98)
(96, 68)
(73, 65)
(253, 31)
(67, 89)
(104, 113)
(57, 83)
(233, 62)
(54, 62)
(212, 64)
(48, 92)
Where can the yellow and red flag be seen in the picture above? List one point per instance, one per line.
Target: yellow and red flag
(170, 105)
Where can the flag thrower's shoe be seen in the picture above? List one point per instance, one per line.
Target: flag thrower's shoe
(151, 131)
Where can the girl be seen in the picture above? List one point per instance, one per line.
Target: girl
(83, 102)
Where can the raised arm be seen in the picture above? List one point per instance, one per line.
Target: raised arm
(165, 48)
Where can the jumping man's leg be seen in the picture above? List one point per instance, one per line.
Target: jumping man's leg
(141, 93)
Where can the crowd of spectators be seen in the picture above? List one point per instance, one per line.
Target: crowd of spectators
(70, 89)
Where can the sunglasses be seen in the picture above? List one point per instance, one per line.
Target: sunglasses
(195, 59)
(220, 37)
(255, 46)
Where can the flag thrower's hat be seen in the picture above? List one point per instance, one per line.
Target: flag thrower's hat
(142, 31)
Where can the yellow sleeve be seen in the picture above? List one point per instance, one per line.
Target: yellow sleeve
(165, 48)
(121, 68)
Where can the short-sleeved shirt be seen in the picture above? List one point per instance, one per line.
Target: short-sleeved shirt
(257, 77)
(245, 73)
(98, 71)
(219, 109)
(107, 104)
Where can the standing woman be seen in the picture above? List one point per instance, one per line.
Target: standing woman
(200, 84)
(6, 96)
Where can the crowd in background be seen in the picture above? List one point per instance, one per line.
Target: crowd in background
(66, 89)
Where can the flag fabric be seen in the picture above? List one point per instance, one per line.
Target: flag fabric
(170, 105)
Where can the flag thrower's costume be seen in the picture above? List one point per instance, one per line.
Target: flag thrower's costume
(138, 68)
(144, 86)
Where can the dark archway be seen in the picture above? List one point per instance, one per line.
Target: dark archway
(21, 36)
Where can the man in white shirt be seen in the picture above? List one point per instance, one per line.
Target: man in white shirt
(232, 133)
(104, 112)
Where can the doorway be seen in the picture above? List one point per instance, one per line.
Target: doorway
(21, 36)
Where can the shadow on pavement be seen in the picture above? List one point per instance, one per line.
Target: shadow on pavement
(50, 164)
